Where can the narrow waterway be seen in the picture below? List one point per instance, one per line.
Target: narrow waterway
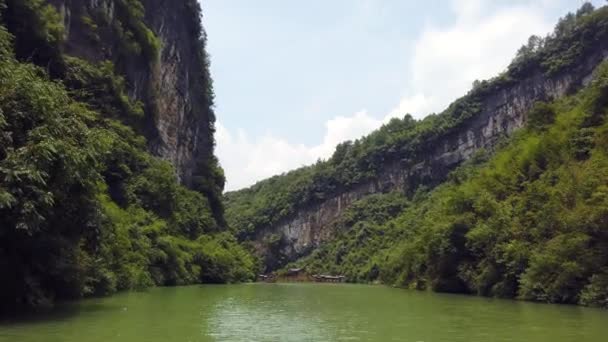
(306, 312)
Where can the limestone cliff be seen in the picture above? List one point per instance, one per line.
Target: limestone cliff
(172, 82)
(502, 112)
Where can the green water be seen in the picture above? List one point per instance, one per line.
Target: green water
(306, 312)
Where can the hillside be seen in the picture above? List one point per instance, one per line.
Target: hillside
(107, 175)
(109, 182)
(350, 211)
(528, 222)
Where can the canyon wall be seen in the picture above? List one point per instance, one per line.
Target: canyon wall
(502, 113)
(172, 83)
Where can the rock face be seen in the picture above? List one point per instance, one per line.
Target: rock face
(502, 113)
(179, 121)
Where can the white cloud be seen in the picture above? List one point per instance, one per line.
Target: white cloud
(246, 161)
(344, 128)
(446, 60)
(418, 105)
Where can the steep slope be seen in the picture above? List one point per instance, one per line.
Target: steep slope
(164, 63)
(290, 215)
(530, 222)
(88, 205)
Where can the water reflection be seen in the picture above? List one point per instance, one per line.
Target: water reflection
(280, 314)
(306, 312)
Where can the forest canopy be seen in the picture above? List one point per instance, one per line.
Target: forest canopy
(85, 209)
(529, 222)
(355, 162)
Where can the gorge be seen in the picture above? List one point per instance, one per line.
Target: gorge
(108, 176)
(492, 197)
(109, 180)
(502, 111)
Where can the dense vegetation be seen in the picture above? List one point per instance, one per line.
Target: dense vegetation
(526, 221)
(352, 163)
(530, 222)
(84, 208)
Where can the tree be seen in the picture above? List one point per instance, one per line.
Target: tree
(585, 9)
(476, 84)
(541, 115)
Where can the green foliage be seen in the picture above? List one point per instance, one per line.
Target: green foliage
(596, 293)
(556, 271)
(573, 37)
(223, 260)
(403, 141)
(85, 210)
(541, 115)
(136, 37)
(528, 223)
(6, 48)
(47, 183)
(142, 249)
(101, 88)
(38, 31)
(208, 177)
(361, 232)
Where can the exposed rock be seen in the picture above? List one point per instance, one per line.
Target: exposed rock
(179, 123)
(502, 113)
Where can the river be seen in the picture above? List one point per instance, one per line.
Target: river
(305, 312)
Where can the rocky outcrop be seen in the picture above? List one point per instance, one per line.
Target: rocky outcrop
(179, 119)
(502, 113)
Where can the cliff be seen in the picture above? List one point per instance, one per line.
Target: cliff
(525, 221)
(103, 106)
(159, 47)
(502, 113)
(293, 223)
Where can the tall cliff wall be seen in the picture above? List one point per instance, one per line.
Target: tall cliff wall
(502, 113)
(170, 82)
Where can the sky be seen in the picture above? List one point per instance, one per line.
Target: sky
(294, 78)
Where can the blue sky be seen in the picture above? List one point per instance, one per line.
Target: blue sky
(294, 78)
